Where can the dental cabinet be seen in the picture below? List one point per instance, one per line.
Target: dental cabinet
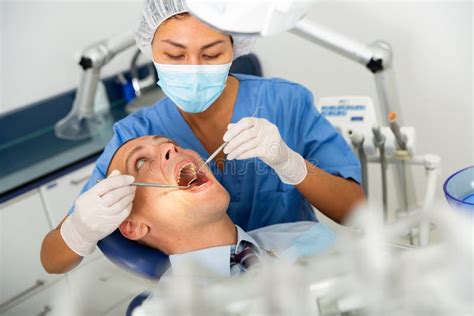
(95, 287)
(40, 177)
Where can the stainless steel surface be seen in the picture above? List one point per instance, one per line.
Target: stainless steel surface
(158, 185)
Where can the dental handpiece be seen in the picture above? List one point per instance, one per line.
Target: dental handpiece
(401, 141)
(379, 142)
(358, 142)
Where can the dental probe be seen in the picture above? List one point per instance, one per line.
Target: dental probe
(158, 185)
(214, 154)
(218, 150)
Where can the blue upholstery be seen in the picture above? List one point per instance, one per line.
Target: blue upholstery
(137, 301)
(133, 256)
(140, 259)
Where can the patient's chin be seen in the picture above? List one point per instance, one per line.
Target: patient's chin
(214, 201)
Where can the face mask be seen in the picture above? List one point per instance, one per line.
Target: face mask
(193, 88)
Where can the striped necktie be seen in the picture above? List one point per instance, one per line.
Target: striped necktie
(246, 258)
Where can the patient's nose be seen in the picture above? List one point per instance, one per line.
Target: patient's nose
(164, 156)
(168, 151)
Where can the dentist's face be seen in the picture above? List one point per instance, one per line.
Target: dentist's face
(183, 39)
(158, 159)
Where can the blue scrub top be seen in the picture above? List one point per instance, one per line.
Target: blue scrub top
(258, 197)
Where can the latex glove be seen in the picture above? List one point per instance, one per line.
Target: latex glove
(258, 138)
(98, 212)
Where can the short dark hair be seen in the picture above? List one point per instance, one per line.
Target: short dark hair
(115, 153)
(123, 144)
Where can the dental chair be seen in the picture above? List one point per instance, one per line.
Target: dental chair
(140, 259)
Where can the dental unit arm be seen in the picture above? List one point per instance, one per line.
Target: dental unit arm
(266, 18)
(82, 122)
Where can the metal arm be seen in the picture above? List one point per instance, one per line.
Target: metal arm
(377, 57)
(82, 122)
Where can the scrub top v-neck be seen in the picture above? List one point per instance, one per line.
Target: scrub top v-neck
(258, 197)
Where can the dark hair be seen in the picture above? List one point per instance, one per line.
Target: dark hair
(115, 153)
(125, 142)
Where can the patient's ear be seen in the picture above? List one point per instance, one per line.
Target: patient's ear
(133, 229)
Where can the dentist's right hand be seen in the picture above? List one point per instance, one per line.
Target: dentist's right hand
(98, 212)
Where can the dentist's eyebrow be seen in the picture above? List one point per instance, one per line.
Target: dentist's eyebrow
(174, 43)
(129, 156)
(184, 46)
(212, 44)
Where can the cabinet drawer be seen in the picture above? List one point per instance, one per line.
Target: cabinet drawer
(99, 286)
(59, 195)
(52, 301)
(23, 226)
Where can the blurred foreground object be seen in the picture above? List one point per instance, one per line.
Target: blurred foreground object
(459, 189)
(363, 274)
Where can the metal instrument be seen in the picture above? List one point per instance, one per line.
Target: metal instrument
(158, 185)
(214, 154)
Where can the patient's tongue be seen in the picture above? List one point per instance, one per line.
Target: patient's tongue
(186, 176)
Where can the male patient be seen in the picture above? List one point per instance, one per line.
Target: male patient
(192, 224)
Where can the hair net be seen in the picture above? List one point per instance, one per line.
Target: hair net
(157, 11)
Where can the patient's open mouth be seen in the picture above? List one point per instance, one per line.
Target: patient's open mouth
(187, 176)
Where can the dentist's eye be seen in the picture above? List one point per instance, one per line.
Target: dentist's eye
(175, 57)
(139, 163)
(209, 57)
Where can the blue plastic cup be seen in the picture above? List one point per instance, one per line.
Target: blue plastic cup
(459, 189)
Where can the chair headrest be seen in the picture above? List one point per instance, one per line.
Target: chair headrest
(133, 256)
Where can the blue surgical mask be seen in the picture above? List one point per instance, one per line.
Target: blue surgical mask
(193, 88)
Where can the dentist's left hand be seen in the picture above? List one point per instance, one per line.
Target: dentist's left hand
(258, 138)
(98, 212)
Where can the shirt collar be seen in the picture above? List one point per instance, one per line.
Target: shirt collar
(215, 260)
(242, 236)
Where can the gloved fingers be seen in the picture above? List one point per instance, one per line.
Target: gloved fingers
(113, 181)
(123, 204)
(239, 140)
(112, 197)
(252, 153)
(125, 213)
(235, 129)
(247, 147)
(114, 220)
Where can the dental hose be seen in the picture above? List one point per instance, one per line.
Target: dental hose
(379, 142)
(358, 141)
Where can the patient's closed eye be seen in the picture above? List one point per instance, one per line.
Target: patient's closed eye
(139, 163)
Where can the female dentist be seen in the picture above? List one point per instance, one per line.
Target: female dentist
(302, 160)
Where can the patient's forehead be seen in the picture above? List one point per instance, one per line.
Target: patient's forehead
(123, 152)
